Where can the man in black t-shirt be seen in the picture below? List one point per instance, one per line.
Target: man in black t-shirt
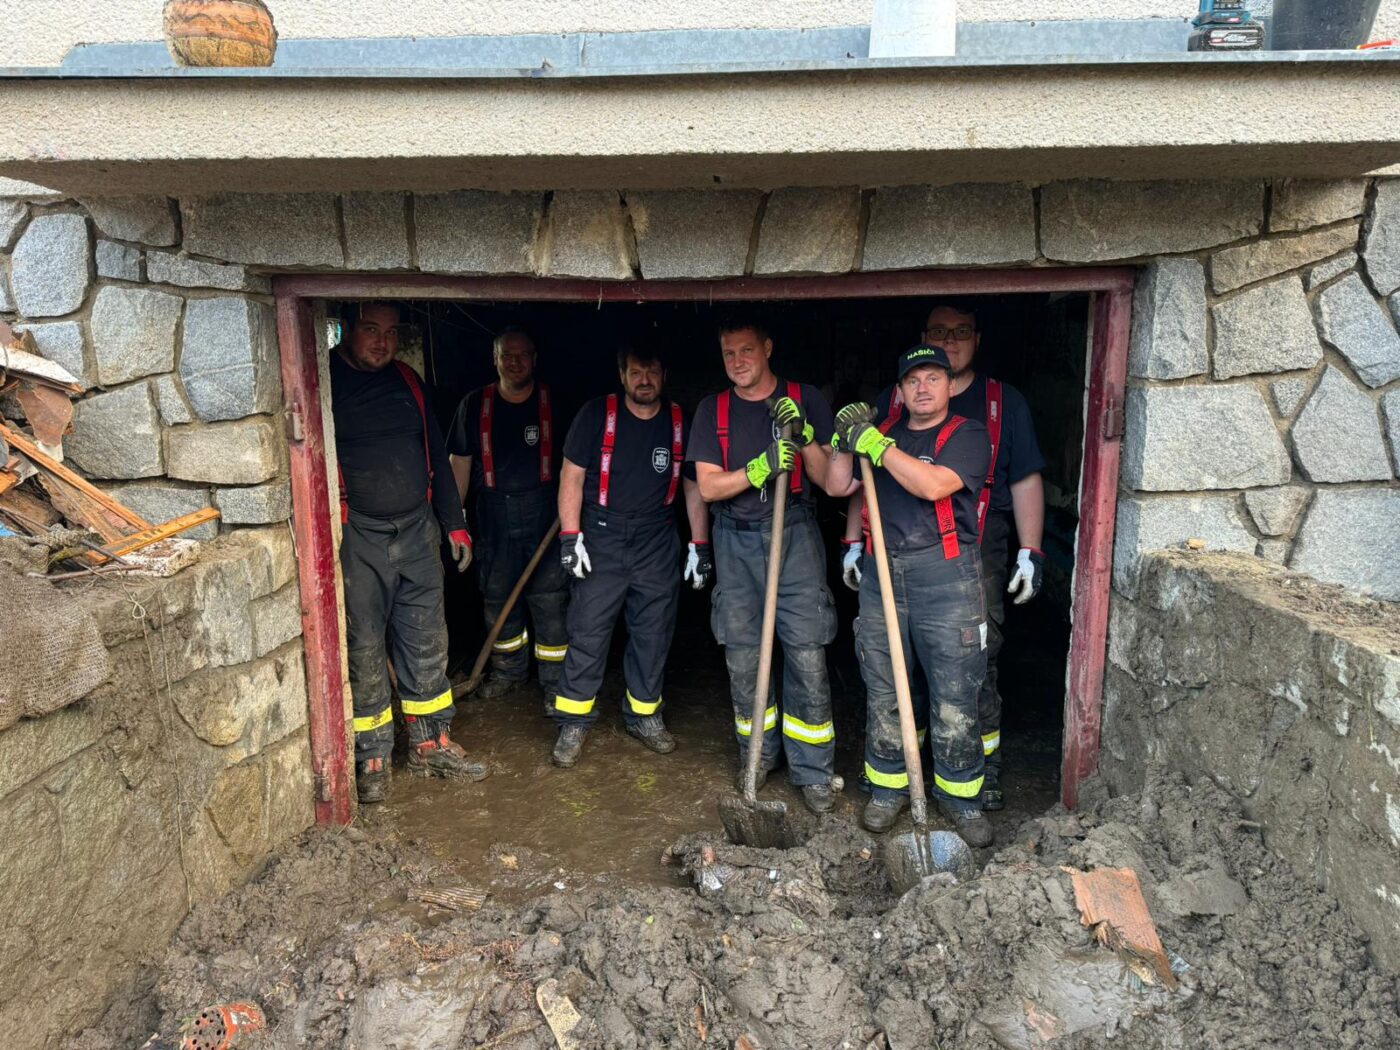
(1016, 491)
(930, 466)
(504, 448)
(397, 500)
(738, 448)
(618, 545)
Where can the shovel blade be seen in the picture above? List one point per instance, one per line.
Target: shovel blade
(907, 863)
(763, 825)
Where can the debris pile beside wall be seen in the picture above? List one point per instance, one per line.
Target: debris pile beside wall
(802, 948)
(1285, 693)
(158, 774)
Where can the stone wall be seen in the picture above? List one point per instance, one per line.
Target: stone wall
(1284, 692)
(164, 786)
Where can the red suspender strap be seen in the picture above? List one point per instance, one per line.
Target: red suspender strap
(609, 443)
(677, 451)
(411, 378)
(891, 418)
(794, 391)
(488, 461)
(994, 406)
(722, 426)
(943, 508)
(546, 437)
(896, 407)
(344, 501)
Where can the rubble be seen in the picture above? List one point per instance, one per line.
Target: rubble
(802, 948)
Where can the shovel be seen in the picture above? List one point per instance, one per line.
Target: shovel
(747, 821)
(479, 668)
(911, 856)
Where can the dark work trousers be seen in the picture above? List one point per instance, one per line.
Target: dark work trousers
(996, 539)
(946, 633)
(806, 625)
(509, 528)
(996, 557)
(636, 571)
(393, 585)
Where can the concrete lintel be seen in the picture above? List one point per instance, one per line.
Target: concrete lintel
(188, 136)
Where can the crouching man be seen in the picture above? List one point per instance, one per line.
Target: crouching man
(930, 468)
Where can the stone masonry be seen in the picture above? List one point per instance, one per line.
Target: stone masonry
(1263, 406)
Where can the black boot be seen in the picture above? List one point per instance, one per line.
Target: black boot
(819, 798)
(441, 757)
(991, 790)
(972, 827)
(568, 746)
(371, 780)
(882, 811)
(652, 732)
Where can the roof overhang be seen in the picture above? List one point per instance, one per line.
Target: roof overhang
(865, 121)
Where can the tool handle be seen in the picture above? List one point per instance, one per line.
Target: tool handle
(479, 668)
(909, 736)
(770, 624)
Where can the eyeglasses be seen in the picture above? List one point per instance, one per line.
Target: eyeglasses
(937, 333)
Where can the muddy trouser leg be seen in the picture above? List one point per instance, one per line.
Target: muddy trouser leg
(547, 593)
(806, 625)
(501, 566)
(736, 616)
(652, 601)
(594, 603)
(884, 749)
(419, 629)
(949, 636)
(369, 587)
(995, 565)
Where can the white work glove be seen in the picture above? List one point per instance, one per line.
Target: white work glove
(850, 563)
(460, 542)
(573, 556)
(699, 565)
(1025, 582)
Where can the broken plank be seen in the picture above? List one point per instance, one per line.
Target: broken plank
(30, 451)
(1110, 903)
(153, 534)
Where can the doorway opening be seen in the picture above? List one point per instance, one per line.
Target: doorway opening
(1056, 337)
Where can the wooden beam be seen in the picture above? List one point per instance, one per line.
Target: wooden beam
(31, 452)
(154, 534)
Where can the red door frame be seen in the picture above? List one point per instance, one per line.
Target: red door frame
(316, 554)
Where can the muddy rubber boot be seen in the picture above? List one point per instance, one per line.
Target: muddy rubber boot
(881, 812)
(547, 696)
(972, 827)
(371, 781)
(568, 746)
(819, 798)
(992, 799)
(443, 758)
(496, 687)
(652, 732)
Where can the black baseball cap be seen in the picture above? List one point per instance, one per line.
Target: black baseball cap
(923, 354)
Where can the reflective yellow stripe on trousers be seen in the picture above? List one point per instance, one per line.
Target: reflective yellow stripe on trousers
(970, 789)
(511, 645)
(364, 725)
(990, 742)
(893, 781)
(641, 707)
(552, 653)
(574, 707)
(822, 733)
(745, 725)
(428, 707)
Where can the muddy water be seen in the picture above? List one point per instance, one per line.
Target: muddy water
(607, 821)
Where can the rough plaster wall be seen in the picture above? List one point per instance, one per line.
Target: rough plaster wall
(40, 32)
(1284, 693)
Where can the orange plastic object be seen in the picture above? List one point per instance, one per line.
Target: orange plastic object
(1110, 901)
(221, 1027)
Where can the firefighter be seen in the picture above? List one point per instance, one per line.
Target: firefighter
(930, 468)
(738, 446)
(503, 446)
(618, 544)
(1014, 492)
(397, 499)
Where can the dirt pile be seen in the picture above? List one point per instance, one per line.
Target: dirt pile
(805, 948)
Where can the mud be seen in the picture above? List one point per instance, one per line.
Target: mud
(799, 948)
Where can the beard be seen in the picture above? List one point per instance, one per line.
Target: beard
(647, 396)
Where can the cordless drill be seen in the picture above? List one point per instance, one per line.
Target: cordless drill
(1225, 25)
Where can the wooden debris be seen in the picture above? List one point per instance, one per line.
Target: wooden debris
(48, 410)
(1110, 902)
(75, 497)
(460, 898)
(153, 534)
